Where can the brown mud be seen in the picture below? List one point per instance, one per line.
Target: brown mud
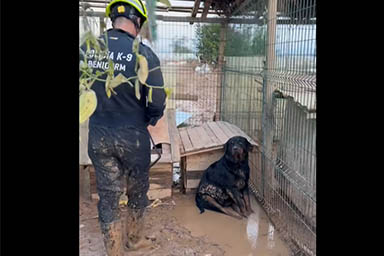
(177, 228)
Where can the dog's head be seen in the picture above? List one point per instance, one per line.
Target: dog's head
(236, 149)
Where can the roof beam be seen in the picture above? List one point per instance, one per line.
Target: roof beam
(207, 4)
(195, 9)
(216, 20)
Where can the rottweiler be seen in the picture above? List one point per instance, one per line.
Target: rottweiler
(224, 185)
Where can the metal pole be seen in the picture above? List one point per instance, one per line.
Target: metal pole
(267, 95)
(223, 39)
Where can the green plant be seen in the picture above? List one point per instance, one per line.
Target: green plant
(178, 46)
(239, 42)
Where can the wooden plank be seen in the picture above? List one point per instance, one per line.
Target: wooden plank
(81, 180)
(160, 179)
(190, 191)
(196, 141)
(236, 129)
(228, 133)
(199, 138)
(202, 161)
(193, 183)
(85, 185)
(213, 136)
(195, 9)
(166, 149)
(162, 164)
(195, 175)
(218, 132)
(181, 145)
(173, 136)
(83, 145)
(210, 140)
(165, 159)
(201, 151)
(183, 176)
(160, 132)
(185, 140)
(160, 182)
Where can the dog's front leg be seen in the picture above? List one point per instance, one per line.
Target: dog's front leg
(238, 201)
(247, 201)
(225, 210)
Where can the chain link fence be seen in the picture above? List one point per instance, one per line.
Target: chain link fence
(269, 91)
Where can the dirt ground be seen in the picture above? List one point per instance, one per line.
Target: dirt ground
(178, 229)
(168, 235)
(199, 88)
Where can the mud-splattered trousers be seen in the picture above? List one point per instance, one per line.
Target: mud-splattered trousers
(119, 153)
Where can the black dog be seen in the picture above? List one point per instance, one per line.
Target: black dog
(224, 185)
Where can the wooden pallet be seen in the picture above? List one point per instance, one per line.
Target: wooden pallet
(201, 146)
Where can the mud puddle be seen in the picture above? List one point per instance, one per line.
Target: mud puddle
(246, 237)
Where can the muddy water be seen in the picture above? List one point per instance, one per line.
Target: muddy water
(246, 237)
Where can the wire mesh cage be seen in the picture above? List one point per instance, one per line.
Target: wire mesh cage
(269, 91)
(194, 80)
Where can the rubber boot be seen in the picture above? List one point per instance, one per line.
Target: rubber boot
(134, 227)
(113, 238)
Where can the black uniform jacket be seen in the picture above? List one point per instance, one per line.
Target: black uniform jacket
(124, 109)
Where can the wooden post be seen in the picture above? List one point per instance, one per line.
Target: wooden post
(207, 4)
(102, 25)
(85, 183)
(269, 161)
(195, 10)
(223, 40)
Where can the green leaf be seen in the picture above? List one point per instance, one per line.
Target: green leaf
(166, 2)
(150, 95)
(87, 104)
(135, 46)
(137, 89)
(168, 92)
(90, 83)
(86, 36)
(110, 68)
(95, 43)
(117, 80)
(88, 45)
(142, 73)
(107, 89)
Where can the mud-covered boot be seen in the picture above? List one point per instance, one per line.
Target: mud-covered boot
(113, 238)
(134, 228)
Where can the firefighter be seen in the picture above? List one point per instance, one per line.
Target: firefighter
(119, 142)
